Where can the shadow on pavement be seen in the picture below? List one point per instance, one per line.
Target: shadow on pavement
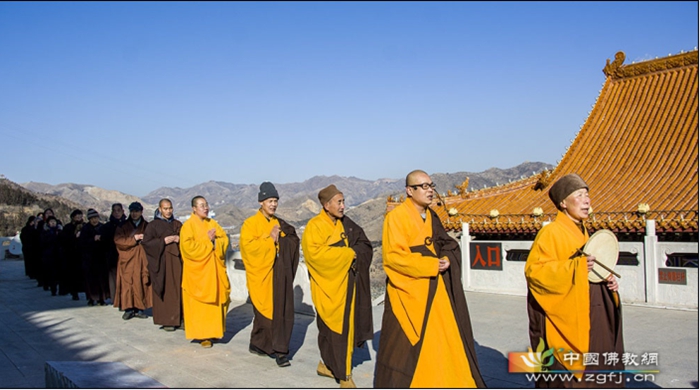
(237, 319)
(301, 321)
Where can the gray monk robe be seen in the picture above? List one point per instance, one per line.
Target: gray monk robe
(165, 270)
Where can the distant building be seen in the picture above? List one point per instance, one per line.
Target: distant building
(638, 152)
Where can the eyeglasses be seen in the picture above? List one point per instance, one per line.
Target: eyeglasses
(424, 186)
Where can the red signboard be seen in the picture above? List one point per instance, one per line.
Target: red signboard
(672, 276)
(485, 255)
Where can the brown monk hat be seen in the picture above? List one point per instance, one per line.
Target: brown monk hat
(564, 187)
(327, 194)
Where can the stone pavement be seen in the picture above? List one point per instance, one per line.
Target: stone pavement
(36, 327)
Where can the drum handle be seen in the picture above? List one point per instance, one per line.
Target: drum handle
(600, 264)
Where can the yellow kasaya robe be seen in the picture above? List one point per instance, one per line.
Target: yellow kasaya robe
(205, 285)
(560, 286)
(328, 258)
(270, 268)
(437, 355)
(259, 251)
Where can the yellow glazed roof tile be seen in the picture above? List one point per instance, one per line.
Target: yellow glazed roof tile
(638, 145)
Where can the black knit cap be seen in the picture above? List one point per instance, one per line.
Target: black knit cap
(135, 206)
(92, 213)
(267, 190)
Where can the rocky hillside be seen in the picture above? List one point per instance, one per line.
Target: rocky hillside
(17, 204)
(97, 198)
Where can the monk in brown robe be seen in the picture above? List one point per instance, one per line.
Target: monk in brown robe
(160, 241)
(270, 252)
(338, 255)
(426, 338)
(566, 311)
(133, 293)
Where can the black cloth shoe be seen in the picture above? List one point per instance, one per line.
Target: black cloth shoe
(168, 328)
(91, 302)
(101, 303)
(128, 314)
(140, 314)
(282, 360)
(257, 351)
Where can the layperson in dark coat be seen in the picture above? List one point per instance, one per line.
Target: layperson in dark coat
(116, 219)
(50, 254)
(160, 241)
(93, 251)
(44, 275)
(30, 247)
(45, 216)
(71, 272)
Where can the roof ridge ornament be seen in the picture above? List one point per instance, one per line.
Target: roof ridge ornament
(543, 180)
(463, 187)
(613, 69)
(616, 70)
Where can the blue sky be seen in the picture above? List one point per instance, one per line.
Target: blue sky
(134, 96)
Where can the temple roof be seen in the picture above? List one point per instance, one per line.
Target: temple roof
(637, 151)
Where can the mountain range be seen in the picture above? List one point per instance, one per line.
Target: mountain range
(232, 203)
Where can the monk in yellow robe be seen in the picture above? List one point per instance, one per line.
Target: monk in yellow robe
(426, 338)
(338, 255)
(205, 285)
(565, 310)
(270, 252)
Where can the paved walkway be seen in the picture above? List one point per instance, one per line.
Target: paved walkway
(36, 327)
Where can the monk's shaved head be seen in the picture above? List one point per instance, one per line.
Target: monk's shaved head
(410, 178)
(196, 198)
(164, 200)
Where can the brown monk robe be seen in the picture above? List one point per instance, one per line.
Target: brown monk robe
(338, 255)
(272, 293)
(275, 334)
(165, 268)
(133, 293)
(359, 277)
(440, 336)
(565, 310)
(270, 252)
